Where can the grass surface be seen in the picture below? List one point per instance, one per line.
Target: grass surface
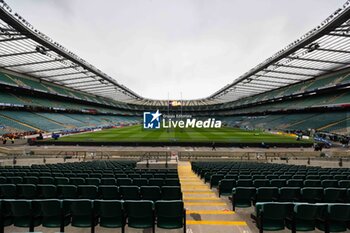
(137, 134)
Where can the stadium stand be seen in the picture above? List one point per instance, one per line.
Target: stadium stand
(305, 198)
(46, 89)
(30, 188)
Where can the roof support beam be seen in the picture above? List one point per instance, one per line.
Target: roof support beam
(269, 81)
(33, 63)
(300, 67)
(18, 54)
(51, 69)
(96, 87)
(291, 73)
(338, 34)
(279, 78)
(333, 50)
(87, 81)
(317, 60)
(14, 39)
(86, 85)
(261, 86)
(68, 79)
(246, 88)
(66, 74)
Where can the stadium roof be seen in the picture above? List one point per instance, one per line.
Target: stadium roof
(26, 50)
(322, 50)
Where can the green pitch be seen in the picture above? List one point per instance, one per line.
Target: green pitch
(223, 135)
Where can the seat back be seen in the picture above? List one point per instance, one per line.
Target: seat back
(170, 214)
(110, 213)
(131, 192)
(109, 192)
(151, 193)
(140, 214)
(171, 193)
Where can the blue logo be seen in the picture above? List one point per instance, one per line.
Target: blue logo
(151, 120)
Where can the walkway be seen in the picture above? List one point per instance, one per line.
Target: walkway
(206, 212)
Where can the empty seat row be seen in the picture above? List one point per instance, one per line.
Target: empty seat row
(246, 196)
(225, 186)
(302, 217)
(92, 175)
(108, 192)
(214, 179)
(55, 213)
(90, 181)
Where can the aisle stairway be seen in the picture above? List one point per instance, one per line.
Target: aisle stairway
(206, 212)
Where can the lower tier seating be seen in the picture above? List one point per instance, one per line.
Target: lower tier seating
(84, 213)
(274, 216)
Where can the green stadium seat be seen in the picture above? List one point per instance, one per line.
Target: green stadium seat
(295, 183)
(159, 175)
(265, 194)
(170, 215)
(171, 193)
(30, 180)
(244, 183)
(225, 187)
(147, 176)
(304, 217)
(259, 177)
(140, 214)
(15, 180)
(156, 182)
(77, 181)
(140, 181)
(333, 195)
(5, 215)
(277, 183)
(88, 191)
(110, 213)
(61, 180)
(329, 183)
(172, 182)
(25, 214)
(131, 192)
(3, 180)
(344, 183)
(242, 197)
(133, 176)
(53, 214)
(214, 180)
(47, 191)
(8, 191)
(261, 183)
(326, 177)
(92, 181)
(271, 216)
(124, 181)
(312, 183)
(108, 181)
(109, 192)
(82, 213)
(67, 191)
(151, 193)
(289, 194)
(95, 175)
(46, 180)
(312, 194)
(336, 218)
(27, 191)
(272, 177)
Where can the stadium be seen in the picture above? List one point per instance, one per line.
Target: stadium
(81, 152)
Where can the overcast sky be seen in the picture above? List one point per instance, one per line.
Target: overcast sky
(156, 47)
